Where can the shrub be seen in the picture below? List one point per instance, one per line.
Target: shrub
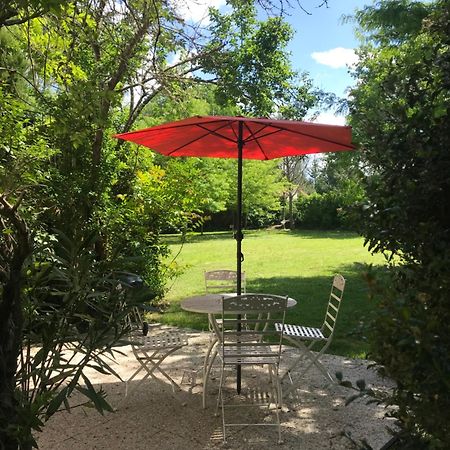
(400, 116)
(409, 338)
(318, 211)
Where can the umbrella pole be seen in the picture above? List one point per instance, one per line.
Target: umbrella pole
(239, 256)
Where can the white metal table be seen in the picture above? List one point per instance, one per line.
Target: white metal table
(211, 304)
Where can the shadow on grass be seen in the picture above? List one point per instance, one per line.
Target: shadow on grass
(323, 234)
(175, 239)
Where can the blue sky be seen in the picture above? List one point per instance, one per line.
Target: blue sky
(322, 44)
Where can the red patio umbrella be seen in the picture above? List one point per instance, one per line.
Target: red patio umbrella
(241, 137)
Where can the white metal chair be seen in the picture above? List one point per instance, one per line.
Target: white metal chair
(151, 345)
(305, 338)
(223, 281)
(246, 321)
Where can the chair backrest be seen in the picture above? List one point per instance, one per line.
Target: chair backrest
(223, 281)
(248, 317)
(139, 327)
(134, 319)
(334, 303)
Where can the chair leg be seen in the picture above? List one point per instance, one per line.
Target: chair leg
(307, 353)
(314, 360)
(155, 360)
(276, 399)
(132, 378)
(278, 405)
(270, 375)
(220, 401)
(207, 366)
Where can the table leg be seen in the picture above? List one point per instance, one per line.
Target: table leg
(238, 367)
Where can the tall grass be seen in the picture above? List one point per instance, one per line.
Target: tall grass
(299, 264)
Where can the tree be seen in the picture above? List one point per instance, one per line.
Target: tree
(400, 114)
(295, 171)
(53, 295)
(253, 71)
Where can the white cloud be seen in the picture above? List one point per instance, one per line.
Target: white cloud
(196, 10)
(330, 119)
(336, 57)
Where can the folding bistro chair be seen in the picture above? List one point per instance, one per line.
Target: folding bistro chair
(223, 281)
(151, 346)
(305, 338)
(246, 321)
(218, 281)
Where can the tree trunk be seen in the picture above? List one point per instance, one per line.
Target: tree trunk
(291, 211)
(10, 341)
(16, 248)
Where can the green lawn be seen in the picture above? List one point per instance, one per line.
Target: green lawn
(299, 264)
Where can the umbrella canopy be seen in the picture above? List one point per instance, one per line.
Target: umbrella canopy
(241, 137)
(218, 137)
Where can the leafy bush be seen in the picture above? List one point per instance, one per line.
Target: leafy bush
(318, 211)
(73, 313)
(261, 219)
(409, 338)
(400, 116)
(329, 210)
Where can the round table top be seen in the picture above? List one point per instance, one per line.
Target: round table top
(212, 303)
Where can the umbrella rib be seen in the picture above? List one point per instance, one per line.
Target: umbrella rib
(278, 129)
(201, 137)
(218, 134)
(255, 138)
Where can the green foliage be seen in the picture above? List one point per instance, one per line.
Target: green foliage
(400, 116)
(20, 11)
(318, 211)
(336, 171)
(336, 178)
(23, 150)
(73, 74)
(262, 187)
(409, 338)
(195, 99)
(74, 313)
(253, 68)
(403, 130)
(391, 21)
(330, 210)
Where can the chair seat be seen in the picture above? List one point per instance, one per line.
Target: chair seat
(301, 332)
(161, 340)
(248, 354)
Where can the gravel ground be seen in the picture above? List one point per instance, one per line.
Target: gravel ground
(314, 415)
